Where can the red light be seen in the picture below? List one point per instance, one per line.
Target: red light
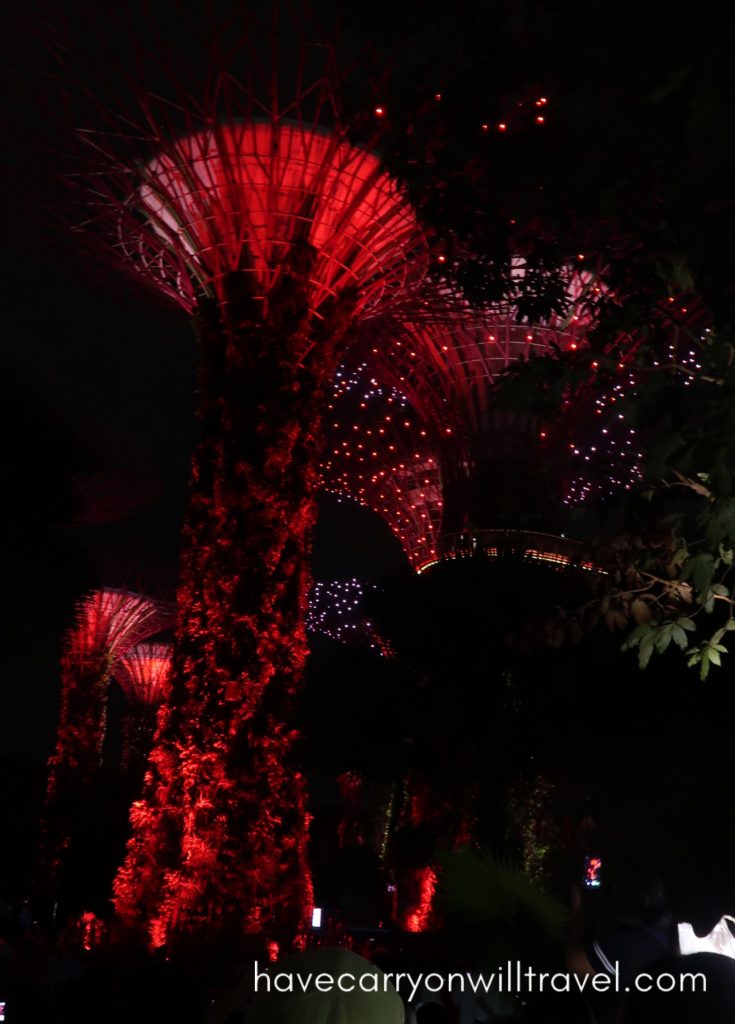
(540, 119)
(485, 127)
(437, 96)
(379, 111)
(502, 126)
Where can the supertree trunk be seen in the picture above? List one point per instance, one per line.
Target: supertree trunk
(82, 722)
(220, 836)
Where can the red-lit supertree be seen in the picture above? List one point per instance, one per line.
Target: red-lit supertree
(252, 209)
(144, 674)
(448, 368)
(417, 436)
(108, 623)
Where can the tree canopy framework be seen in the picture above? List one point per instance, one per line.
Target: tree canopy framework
(252, 209)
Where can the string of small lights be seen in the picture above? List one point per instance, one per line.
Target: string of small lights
(336, 611)
(379, 454)
(612, 449)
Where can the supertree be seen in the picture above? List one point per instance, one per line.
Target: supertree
(449, 370)
(143, 674)
(108, 623)
(253, 210)
(414, 433)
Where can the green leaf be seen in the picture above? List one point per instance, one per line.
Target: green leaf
(699, 569)
(636, 636)
(686, 623)
(680, 556)
(663, 637)
(645, 652)
(680, 637)
(694, 658)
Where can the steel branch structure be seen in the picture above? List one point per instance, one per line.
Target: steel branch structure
(252, 209)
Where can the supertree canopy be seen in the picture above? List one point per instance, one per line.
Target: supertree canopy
(378, 453)
(415, 433)
(244, 197)
(143, 674)
(504, 475)
(448, 369)
(254, 211)
(108, 623)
